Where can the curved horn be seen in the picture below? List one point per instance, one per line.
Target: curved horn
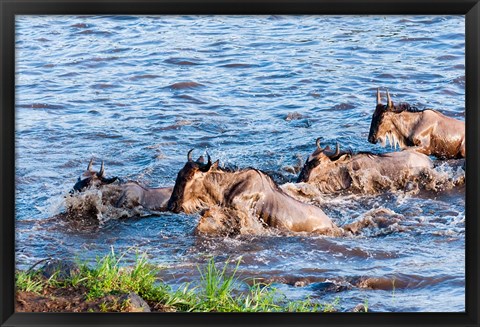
(389, 101)
(90, 164)
(206, 167)
(317, 142)
(189, 155)
(379, 98)
(102, 170)
(337, 151)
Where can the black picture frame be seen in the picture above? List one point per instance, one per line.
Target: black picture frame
(469, 8)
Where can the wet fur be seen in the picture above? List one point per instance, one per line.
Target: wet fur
(132, 194)
(364, 171)
(429, 131)
(247, 197)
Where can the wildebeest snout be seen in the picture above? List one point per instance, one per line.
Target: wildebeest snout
(303, 177)
(173, 206)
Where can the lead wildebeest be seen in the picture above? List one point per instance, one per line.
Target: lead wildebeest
(429, 131)
(332, 171)
(131, 194)
(237, 200)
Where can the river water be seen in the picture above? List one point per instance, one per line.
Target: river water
(255, 91)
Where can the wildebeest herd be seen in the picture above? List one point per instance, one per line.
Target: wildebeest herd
(240, 201)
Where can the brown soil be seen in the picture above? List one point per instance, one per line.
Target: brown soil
(73, 299)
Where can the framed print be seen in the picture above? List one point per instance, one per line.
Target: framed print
(290, 163)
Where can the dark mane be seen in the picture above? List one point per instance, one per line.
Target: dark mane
(229, 169)
(234, 169)
(403, 106)
(351, 153)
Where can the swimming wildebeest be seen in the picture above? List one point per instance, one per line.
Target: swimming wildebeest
(92, 178)
(248, 195)
(333, 171)
(131, 194)
(429, 131)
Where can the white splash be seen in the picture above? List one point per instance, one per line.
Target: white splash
(393, 140)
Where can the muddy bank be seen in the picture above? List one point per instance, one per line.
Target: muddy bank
(64, 286)
(73, 299)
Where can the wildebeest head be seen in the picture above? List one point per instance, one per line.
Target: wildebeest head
(378, 126)
(319, 160)
(189, 183)
(92, 178)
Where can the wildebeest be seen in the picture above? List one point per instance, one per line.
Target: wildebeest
(333, 171)
(91, 178)
(429, 131)
(245, 194)
(131, 194)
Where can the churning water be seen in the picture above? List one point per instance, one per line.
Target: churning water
(139, 92)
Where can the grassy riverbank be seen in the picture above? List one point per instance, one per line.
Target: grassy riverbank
(110, 286)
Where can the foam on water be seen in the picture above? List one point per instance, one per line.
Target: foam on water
(443, 176)
(97, 205)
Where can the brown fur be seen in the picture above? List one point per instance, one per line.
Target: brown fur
(134, 194)
(243, 197)
(362, 171)
(429, 131)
